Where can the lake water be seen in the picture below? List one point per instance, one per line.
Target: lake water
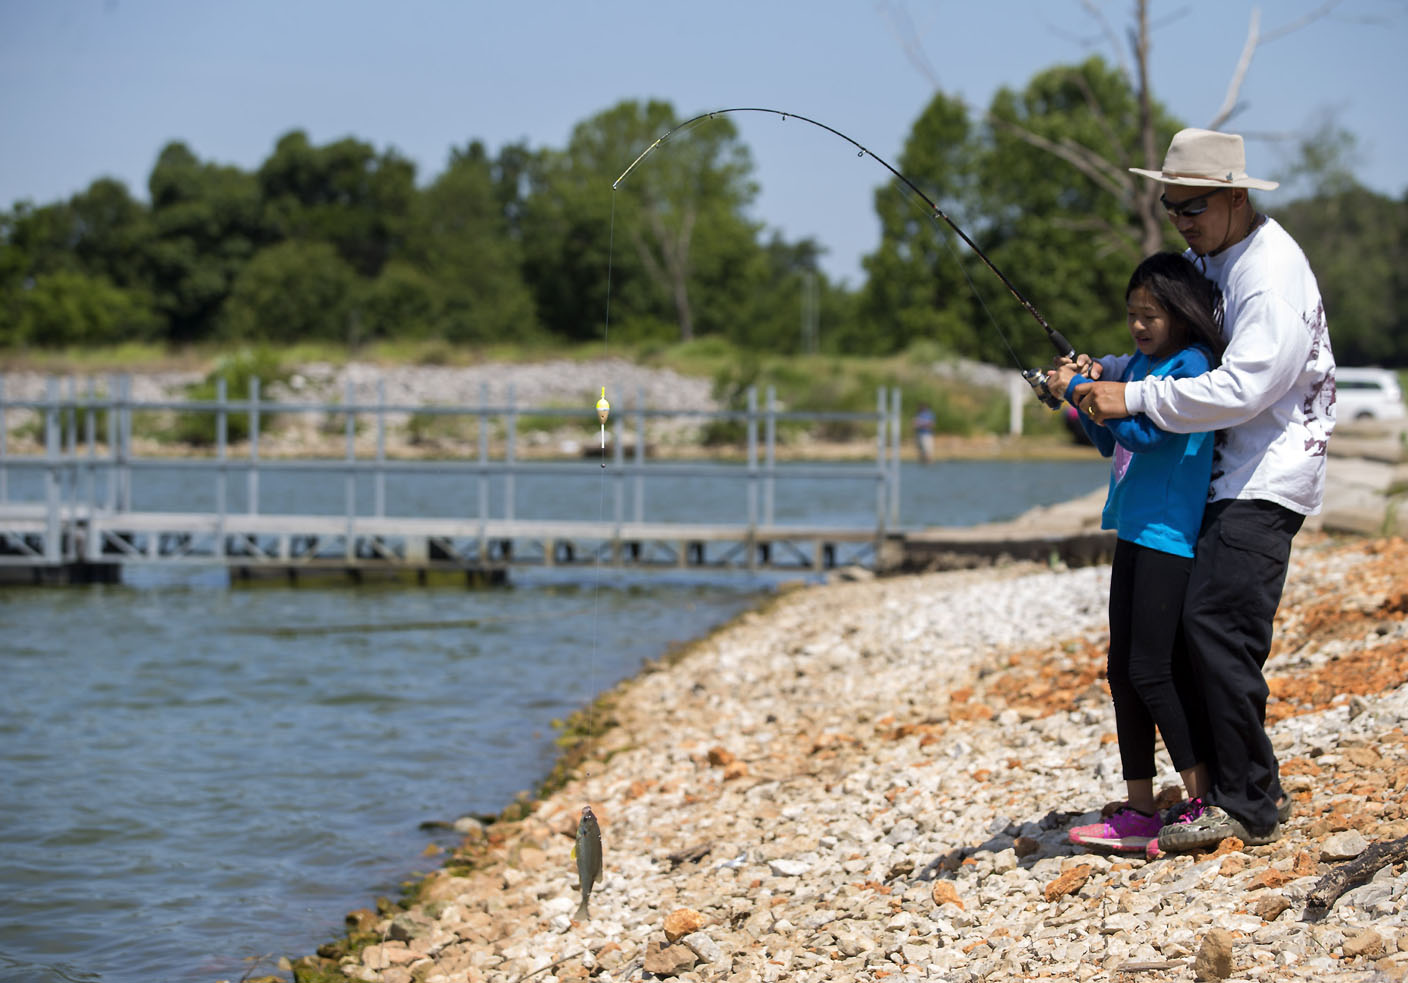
(193, 776)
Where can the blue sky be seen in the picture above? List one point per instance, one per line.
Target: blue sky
(97, 87)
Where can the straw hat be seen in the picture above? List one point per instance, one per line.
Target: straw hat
(1206, 159)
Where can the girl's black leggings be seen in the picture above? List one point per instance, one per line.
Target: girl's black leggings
(1148, 669)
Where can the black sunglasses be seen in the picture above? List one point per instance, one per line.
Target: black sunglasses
(1191, 207)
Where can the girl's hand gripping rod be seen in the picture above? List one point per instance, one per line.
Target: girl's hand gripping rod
(1036, 378)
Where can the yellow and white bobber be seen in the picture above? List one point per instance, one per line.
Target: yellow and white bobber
(603, 410)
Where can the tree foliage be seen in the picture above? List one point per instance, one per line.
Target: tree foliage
(461, 270)
(1357, 243)
(293, 291)
(344, 193)
(68, 307)
(916, 281)
(207, 223)
(1064, 234)
(338, 243)
(673, 233)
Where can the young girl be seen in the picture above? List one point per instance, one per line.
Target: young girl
(1158, 487)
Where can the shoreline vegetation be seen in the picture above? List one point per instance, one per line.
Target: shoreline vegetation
(873, 780)
(970, 399)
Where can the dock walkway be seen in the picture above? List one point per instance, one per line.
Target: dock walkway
(70, 514)
(79, 545)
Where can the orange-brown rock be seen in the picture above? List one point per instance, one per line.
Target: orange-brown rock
(1367, 943)
(1234, 864)
(681, 922)
(1304, 865)
(1070, 880)
(1229, 845)
(1268, 907)
(1214, 958)
(720, 756)
(1270, 877)
(945, 893)
(668, 960)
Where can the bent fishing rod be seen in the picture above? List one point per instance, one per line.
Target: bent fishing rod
(1035, 377)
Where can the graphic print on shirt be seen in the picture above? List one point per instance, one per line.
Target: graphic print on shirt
(1320, 401)
(1121, 461)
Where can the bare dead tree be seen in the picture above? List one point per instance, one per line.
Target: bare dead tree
(1254, 40)
(1138, 197)
(1244, 63)
(1144, 193)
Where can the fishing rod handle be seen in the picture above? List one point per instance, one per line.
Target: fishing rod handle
(1063, 347)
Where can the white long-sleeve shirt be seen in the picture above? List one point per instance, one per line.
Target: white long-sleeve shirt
(1273, 396)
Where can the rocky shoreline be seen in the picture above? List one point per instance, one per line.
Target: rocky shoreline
(873, 780)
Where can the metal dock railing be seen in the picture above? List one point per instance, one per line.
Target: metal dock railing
(67, 514)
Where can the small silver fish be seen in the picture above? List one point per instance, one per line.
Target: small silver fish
(587, 853)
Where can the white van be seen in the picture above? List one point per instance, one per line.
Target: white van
(1367, 394)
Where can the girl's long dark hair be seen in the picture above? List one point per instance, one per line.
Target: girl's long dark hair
(1192, 300)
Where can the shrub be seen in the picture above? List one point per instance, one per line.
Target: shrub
(239, 370)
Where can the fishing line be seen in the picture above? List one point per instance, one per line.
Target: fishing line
(973, 288)
(603, 410)
(586, 849)
(1034, 377)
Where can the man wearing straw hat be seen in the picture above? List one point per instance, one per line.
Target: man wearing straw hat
(1272, 402)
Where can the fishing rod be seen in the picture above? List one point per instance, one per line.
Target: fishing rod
(1036, 378)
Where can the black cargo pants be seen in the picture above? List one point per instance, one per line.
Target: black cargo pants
(1239, 571)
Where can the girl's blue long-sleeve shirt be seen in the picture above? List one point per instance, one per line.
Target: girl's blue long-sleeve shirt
(1158, 480)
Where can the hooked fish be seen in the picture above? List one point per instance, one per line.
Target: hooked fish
(587, 853)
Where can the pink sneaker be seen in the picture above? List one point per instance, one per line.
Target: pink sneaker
(1151, 850)
(1127, 831)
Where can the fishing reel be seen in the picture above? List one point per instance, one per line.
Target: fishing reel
(1036, 378)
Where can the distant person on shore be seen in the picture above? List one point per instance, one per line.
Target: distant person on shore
(1158, 488)
(924, 433)
(1271, 402)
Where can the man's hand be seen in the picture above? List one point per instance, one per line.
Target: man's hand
(1060, 377)
(1101, 401)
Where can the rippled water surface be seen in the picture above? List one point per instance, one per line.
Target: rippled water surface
(192, 776)
(196, 775)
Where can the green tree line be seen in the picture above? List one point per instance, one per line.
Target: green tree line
(339, 243)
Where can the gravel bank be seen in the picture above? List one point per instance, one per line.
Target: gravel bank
(873, 781)
(542, 385)
(553, 383)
